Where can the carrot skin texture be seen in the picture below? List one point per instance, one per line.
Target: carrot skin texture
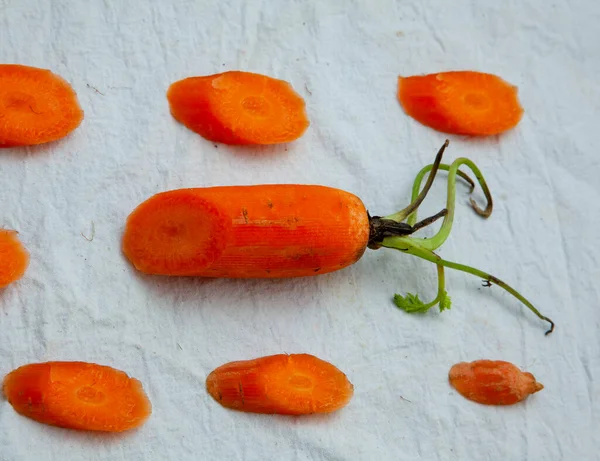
(266, 231)
(14, 258)
(461, 102)
(492, 382)
(37, 105)
(77, 395)
(294, 384)
(239, 108)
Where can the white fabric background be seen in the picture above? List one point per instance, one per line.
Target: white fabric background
(81, 300)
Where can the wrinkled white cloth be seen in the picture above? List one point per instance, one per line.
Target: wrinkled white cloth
(81, 300)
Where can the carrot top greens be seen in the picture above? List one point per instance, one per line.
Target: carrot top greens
(394, 231)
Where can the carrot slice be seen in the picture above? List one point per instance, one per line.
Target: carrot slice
(239, 108)
(247, 231)
(78, 395)
(36, 106)
(14, 258)
(293, 384)
(492, 382)
(461, 102)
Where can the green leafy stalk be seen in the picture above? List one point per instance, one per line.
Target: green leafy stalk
(438, 239)
(390, 235)
(412, 303)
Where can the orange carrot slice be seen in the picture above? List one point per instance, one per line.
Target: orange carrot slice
(247, 231)
(78, 395)
(295, 384)
(14, 258)
(36, 106)
(461, 102)
(492, 382)
(239, 108)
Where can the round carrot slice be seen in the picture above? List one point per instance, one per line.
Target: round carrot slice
(294, 384)
(461, 102)
(14, 258)
(239, 108)
(78, 395)
(493, 382)
(177, 233)
(36, 106)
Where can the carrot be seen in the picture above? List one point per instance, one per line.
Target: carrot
(295, 384)
(78, 395)
(461, 102)
(239, 108)
(36, 106)
(492, 382)
(14, 258)
(247, 231)
(292, 230)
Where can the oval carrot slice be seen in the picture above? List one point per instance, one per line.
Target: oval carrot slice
(78, 395)
(294, 384)
(36, 106)
(239, 108)
(247, 231)
(14, 258)
(461, 102)
(492, 382)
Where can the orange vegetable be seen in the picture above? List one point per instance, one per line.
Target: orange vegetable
(492, 382)
(247, 231)
(78, 395)
(291, 230)
(14, 258)
(461, 102)
(294, 384)
(239, 108)
(36, 106)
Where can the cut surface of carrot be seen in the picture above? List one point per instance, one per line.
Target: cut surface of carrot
(492, 382)
(239, 108)
(78, 395)
(260, 231)
(461, 102)
(14, 258)
(36, 106)
(294, 384)
(180, 233)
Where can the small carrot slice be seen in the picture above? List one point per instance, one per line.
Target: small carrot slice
(294, 384)
(262, 231)
(14, 258)
(239, 108)
(492, 382)
(36, 106)
(78, 395)
(461, 102)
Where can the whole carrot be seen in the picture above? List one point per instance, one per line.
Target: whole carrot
(247, 231)
(461, 102)
(78, 395)
(294, 384)
(14, 258)
(492, 382)
(238, 107)
(36, 106)
(291, 231)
